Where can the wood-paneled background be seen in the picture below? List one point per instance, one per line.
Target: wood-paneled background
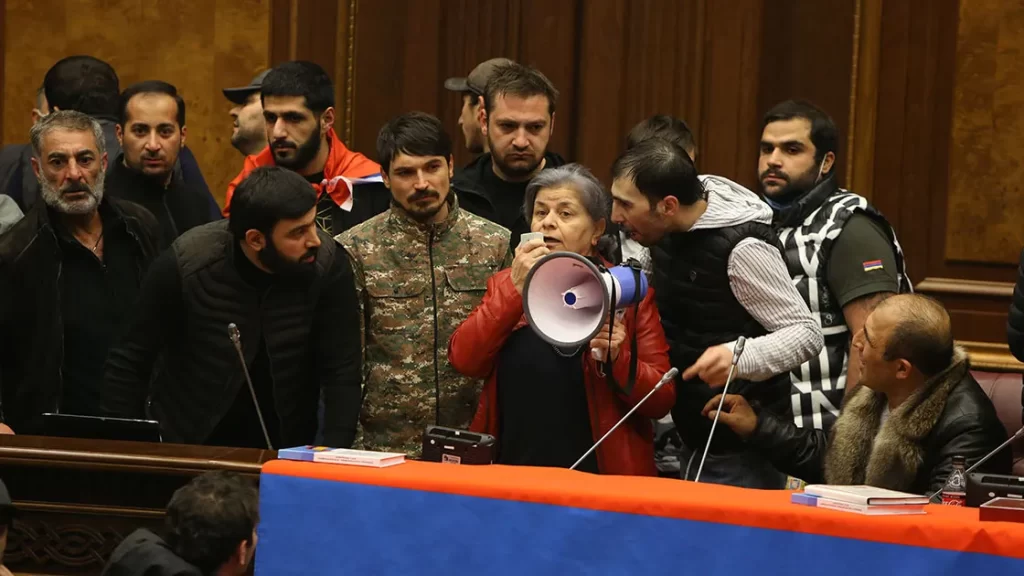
(927, 95)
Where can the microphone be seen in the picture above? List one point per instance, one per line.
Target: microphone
(737, 351)
(236, 339)
(665, 379)
(1016, 435)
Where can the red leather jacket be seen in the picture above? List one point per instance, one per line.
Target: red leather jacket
(474, 348)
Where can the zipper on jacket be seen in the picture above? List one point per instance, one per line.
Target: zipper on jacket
(170, 217)
(60, 322)
(433, 291)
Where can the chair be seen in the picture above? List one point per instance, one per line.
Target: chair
(1004, 389)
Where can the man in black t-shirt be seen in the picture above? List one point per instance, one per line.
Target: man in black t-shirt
(842, 254)
(520, 116)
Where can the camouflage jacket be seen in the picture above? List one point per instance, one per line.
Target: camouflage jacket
(416, 283)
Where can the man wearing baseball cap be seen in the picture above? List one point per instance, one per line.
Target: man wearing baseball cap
(472, 88)
(249, 136)
(6, 518)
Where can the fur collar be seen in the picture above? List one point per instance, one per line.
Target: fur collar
(888, 456)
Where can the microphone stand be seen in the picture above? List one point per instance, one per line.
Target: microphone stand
(236, 339)
(736, 353)
(665, 379)
(1018, 434)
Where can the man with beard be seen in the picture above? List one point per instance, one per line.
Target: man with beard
(249, 135)
(69, 272)
(91, 86)
(287, 287)
(841, 253)
(918, 407)
(719, 276)
(298, 110)
(519, 103)
(152, 132)
(420, 268)
(472, 116)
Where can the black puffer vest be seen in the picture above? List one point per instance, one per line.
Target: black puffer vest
(203, 369)
(698, 311)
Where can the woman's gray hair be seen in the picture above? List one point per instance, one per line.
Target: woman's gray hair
(595, 200)
(65, 120)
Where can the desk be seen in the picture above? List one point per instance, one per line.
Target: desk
(77, 498)
(424, 518)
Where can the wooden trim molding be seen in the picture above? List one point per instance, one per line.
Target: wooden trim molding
(860, 142)
(991, 356)
(350, 74)
(961, 287)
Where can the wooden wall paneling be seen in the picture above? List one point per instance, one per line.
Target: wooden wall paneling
(602, 91)
(344, 80)
(860, 137)
(24, 74)
(379, 68)
(730, 119)
(890, 126)
(664, 63)
(985, 211)
(421, 72)
(548, 41)
(807, 53)
(240, 51)
(3, 51)
(279, 47)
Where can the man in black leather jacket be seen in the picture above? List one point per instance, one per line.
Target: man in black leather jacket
(919, 407)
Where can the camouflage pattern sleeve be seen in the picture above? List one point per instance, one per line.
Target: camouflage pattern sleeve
(360, 283)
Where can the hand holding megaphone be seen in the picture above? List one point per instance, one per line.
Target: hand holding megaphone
(526, 255)
(604, 342)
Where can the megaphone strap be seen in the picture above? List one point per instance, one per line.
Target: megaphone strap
(607, 364)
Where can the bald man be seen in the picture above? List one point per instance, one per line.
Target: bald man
(918, 407)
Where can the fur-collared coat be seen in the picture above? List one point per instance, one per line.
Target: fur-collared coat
(911, 450)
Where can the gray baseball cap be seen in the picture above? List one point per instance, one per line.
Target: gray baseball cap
(476, 82)
(240, 94)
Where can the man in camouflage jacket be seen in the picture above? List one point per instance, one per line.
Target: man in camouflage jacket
(420, 269)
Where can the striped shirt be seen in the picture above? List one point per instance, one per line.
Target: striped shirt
(761, 284)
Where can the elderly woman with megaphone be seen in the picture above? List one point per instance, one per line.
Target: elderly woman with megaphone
(555, 390)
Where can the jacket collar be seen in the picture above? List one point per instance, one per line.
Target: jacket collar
(863, 451)
(341, 162)
(136, 182)
(401, 219)
(795, 213)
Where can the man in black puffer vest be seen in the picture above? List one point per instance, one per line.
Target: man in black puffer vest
(289, 289)
(719, 275)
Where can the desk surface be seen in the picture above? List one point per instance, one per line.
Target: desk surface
(942, 528)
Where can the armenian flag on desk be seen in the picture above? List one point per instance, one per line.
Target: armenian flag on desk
(341, 456)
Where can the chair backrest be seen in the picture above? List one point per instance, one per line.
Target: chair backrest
(1004, 389)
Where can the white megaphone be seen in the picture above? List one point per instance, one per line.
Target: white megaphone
(567, 298)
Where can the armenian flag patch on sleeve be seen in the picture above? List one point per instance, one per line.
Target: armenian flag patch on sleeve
(872, 265)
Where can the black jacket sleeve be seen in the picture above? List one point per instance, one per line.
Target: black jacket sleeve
(191, 173)
(1015, 322)
(338, 353)
(972, 437)
(129, 365)
(799, 452)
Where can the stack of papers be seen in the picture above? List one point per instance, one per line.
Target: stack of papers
(861, 500)
(342, 456)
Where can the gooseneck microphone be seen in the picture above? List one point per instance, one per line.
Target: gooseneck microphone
(737, 351)
(236, 339)
(974, 466)
(665, 379)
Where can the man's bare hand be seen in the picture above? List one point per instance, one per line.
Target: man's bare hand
(737, 414)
